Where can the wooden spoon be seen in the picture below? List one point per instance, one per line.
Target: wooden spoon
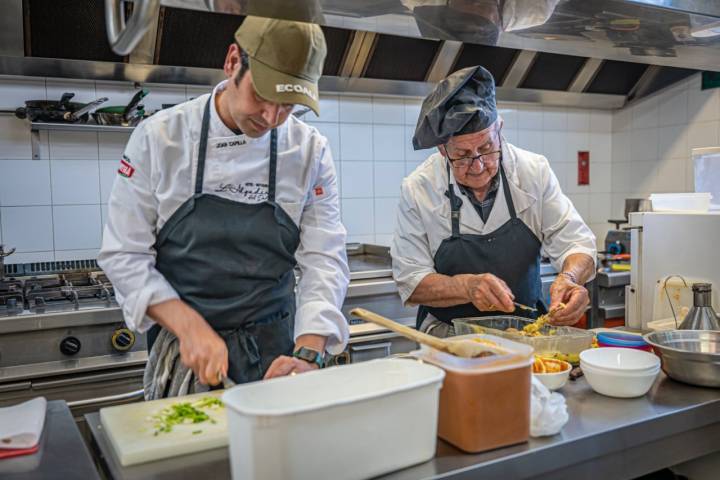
(465, 348)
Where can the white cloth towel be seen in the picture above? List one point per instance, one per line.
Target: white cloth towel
(21, 425)
(548, 411)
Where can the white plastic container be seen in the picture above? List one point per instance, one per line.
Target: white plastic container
(350, 422)
(681, 202)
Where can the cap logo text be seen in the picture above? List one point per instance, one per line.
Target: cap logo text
(294, 87)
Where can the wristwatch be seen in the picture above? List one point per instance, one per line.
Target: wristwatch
(310, 356)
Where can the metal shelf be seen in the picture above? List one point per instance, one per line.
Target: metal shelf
(78, 127)
(37, 127)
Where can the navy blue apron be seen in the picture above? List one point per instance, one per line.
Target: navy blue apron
(512, 253)
(233, 262)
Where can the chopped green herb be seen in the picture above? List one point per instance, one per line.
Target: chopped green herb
(185, 413)
(197, 432)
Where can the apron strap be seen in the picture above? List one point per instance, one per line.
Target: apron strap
(273, 165)
(202, 149)
(455, 204)
(202, 154)
(506, 192)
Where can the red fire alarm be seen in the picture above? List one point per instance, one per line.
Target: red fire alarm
(583, 168)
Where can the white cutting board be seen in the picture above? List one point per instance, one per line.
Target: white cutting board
(132, 434)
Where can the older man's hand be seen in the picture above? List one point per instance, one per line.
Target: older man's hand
(574, 296)
(489, 293)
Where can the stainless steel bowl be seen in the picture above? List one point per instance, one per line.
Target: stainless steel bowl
(690, 356)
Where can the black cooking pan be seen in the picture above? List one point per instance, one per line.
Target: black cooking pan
(58, 111)
(125, 115)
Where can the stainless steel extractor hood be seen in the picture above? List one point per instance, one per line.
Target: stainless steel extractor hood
(564, 52)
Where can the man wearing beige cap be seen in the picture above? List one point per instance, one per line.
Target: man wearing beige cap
(217, 201)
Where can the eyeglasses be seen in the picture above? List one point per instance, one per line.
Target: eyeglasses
(483, 158)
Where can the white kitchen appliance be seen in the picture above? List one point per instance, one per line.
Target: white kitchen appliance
(665, 245)
(706, 164)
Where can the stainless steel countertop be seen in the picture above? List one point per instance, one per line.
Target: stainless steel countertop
(605, 438)
(62, 452)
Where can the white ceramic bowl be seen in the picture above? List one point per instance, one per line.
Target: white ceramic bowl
(616, 383)
(553, 381)
(620, 359)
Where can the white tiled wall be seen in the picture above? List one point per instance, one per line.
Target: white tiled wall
(653, 139)
(54, 208)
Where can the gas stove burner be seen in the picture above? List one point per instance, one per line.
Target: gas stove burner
(76, 279)
(11, 303)
(34, 284)
(10, 285)
(93, 293)
(99, 277)
(40, 299)
(11, 297)
(60, 291)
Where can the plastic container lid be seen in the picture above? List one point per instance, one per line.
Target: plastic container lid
(521, 355)
(618, 339)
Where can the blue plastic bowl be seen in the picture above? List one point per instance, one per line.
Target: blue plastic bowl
(624, 340)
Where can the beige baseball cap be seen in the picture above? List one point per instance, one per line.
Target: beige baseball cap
(286, 59)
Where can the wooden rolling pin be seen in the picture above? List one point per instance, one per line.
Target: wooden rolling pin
(466, 348)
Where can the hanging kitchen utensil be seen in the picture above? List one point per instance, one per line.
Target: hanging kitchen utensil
(56, 111)
(78, 114)
(466, 348)
(43, 109)
(126, 115)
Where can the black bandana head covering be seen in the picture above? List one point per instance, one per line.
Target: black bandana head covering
(464, 102)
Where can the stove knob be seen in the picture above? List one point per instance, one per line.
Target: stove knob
(70, 345)
(123, 340)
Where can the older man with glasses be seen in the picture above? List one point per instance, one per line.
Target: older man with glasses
(474, 218)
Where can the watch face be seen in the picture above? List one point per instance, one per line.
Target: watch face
(307, 354)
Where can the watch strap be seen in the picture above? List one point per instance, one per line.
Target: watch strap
(310, 356)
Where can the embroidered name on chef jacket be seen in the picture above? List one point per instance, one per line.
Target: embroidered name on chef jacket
(248, 191)
(231, 143)
(126, 170)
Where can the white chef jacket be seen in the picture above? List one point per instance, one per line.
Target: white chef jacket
(423, 218)
(162, 154)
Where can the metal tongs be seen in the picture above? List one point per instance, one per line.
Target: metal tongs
(525, 307)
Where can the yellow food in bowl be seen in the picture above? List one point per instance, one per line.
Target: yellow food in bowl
(572, 358)
(547, 365)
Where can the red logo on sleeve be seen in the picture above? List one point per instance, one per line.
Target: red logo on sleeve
(319, 191)
(126, 170)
